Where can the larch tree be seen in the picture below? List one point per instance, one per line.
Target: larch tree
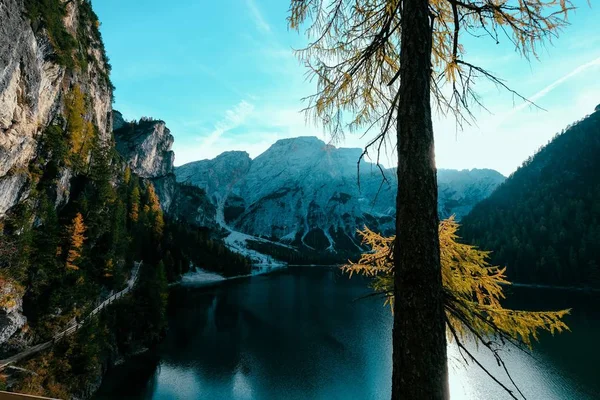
(473, 293)
(380, 65)
(81, 131)
(76, 239)
(153, 207)
(127, 175)
(135, 204)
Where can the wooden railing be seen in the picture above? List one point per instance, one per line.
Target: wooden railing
(74, 327)
(18, 396)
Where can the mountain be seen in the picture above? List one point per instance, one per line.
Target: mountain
(306, 193)
(40, 68)
(543, 223)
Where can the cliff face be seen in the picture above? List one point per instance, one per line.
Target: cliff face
(34, 83)
(146, 148)
(38, 72)
(11, 309)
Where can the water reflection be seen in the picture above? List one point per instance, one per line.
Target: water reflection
(300, 334)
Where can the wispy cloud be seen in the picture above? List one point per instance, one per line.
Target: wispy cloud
(257, 16)
(234, 117)
(553, 85)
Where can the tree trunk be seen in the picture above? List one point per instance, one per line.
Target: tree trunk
(419, 358)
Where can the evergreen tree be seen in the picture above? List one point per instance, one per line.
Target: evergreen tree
(544, 221)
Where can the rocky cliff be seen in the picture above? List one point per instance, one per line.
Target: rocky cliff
(37, 72)
(45, 79)
(305, 192)
(145, 145)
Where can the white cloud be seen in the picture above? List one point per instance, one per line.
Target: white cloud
(191, 151)
(537, 96)
(257, 16)
(233, 118)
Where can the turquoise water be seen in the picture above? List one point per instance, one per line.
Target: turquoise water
(302, 333)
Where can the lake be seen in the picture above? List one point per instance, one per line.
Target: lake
(305, 333)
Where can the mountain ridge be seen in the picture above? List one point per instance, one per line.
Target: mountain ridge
(305, 192)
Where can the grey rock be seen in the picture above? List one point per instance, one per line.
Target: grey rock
(10, 190)
(146, 146)
(302, 189)
(32, 88)
(118, 120)
(11, 310)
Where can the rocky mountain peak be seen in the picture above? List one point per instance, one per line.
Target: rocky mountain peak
(305, 192)
(146, 145)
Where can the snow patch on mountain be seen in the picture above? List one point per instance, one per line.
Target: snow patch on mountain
(304, 192)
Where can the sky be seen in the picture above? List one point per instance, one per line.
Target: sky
(223, 76)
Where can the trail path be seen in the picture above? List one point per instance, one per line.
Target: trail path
(74, 327)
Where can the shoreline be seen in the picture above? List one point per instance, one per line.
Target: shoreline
(202, 277)
(552, 287)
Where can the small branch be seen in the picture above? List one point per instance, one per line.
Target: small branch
(472, 357)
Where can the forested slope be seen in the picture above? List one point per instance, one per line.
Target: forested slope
(543, 223)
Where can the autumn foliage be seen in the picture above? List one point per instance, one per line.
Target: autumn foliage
(154, 207)
(473, 289)
(81, 132)
(134, 212)
(76, 230)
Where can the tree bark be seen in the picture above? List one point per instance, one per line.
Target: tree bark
(419, 339)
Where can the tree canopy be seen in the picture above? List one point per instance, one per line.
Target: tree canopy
(354, 54)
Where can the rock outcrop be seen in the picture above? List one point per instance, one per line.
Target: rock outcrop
(118, 120)
(11, 309)
(146, 147)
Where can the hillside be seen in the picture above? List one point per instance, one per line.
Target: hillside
(77, 212)
(543, 223)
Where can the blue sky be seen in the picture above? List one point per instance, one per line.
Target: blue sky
(223, 75)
